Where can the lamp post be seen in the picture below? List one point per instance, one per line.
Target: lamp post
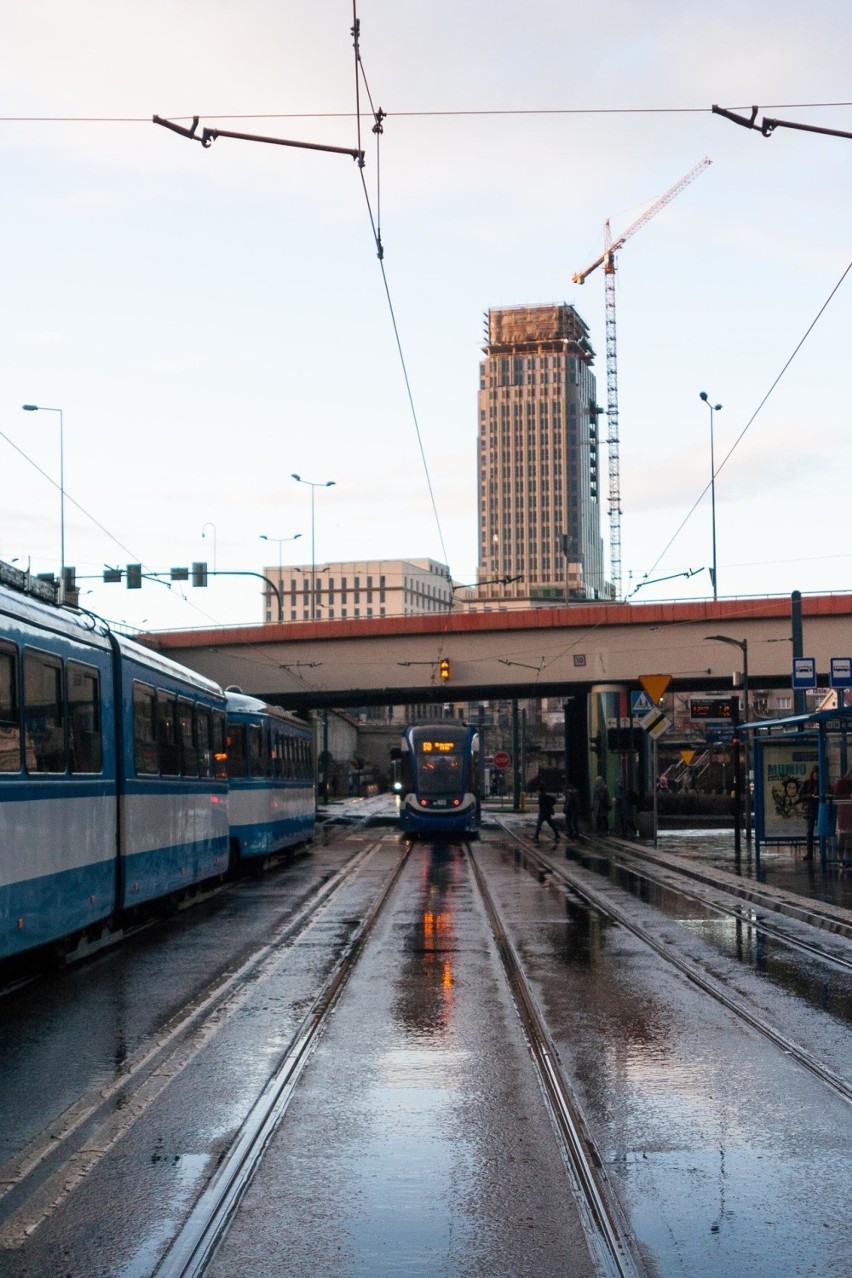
(280, 542)
(742, 644)
(328, 483)
(204, 528)
(714, 408)
(43, 408)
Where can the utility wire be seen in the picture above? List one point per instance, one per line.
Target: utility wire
(483, 111)
(379, 116)
(748, 424)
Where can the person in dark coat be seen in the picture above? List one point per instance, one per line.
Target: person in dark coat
(810, 799)
(571, 808)
(601, 804)
(546, 805)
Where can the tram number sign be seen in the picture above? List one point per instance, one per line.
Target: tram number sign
(502, 759)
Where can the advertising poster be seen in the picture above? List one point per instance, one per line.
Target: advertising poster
(785, 767)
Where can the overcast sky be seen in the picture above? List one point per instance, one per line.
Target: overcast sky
(211, 320)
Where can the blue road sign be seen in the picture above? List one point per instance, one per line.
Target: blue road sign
(640, 703)
(804, 672)
(840, 672)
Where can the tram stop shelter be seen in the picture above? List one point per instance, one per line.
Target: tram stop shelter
(786, 753)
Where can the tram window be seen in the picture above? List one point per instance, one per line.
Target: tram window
(144, 730)
(205, 744)
(188, 748)
(267, 751)
(84, 718)
(237, 752)
(10, 718)
(44, 712)
(220, 755)
(277, 753)
(167, 735)
(255, 747)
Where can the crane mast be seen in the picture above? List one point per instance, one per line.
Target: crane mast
(607, 261)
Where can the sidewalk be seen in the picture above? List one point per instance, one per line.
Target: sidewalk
(780, 867)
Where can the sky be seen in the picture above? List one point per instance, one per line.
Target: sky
(210, 320)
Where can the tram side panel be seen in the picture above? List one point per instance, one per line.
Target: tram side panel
(174, 788)
(58, 826)
(272, 794)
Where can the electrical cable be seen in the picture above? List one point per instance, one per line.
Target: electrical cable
(376, 229)
(748, 424)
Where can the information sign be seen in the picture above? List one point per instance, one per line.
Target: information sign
(804, 672)
(840, 672)
(702, 708)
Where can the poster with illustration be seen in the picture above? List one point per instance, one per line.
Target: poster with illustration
(785, 767)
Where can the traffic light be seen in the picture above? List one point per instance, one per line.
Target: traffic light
(134, 576)
(112, 575)
(199, 574)
(444, 668)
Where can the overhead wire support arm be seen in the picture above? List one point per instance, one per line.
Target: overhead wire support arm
(768, 125)
(208, 136)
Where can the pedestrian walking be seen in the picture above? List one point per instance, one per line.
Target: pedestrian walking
(601, 804)
(571, 808)
(546, 806)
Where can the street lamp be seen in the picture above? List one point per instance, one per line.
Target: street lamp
(714, 408)
(280, 542)
(328, 483)
(742, 644)
(43, 408)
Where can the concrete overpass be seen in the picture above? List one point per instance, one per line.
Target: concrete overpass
(547, 652)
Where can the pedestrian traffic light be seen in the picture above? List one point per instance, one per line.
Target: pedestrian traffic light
(134, 576)
(444, 668)
(199, 574)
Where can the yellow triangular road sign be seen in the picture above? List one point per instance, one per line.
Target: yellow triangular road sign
(655, 685)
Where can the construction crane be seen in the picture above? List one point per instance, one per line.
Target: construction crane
(607, 261)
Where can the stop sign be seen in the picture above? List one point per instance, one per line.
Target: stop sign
(502, 759)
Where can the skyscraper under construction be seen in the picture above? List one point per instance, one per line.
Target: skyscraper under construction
(539, 464)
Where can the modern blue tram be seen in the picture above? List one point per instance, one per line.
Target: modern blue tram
(440, 781)
(114, 789)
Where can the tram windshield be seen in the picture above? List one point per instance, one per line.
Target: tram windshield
(440, 766)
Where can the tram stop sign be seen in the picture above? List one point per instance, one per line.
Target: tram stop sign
(502, 759)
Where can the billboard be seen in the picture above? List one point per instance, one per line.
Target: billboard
(784, 768)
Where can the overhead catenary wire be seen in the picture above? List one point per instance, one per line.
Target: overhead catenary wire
(423, 114)
(749, 423)
(380, 253)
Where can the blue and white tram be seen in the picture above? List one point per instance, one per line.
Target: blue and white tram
(440, 779)
(271, 777)
(113, 788)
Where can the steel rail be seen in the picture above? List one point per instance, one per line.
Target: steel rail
(207, 1223)
(105, 1113)
(606, 908)
(636, 862)
(607, 1239)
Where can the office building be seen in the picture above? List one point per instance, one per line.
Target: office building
(540, 468)
(358, 588)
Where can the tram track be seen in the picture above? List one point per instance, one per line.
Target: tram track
(608, 1238)
(40, 1177)
(194, 1245)
(605, 907)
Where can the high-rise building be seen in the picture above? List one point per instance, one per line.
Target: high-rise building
(540, 468)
